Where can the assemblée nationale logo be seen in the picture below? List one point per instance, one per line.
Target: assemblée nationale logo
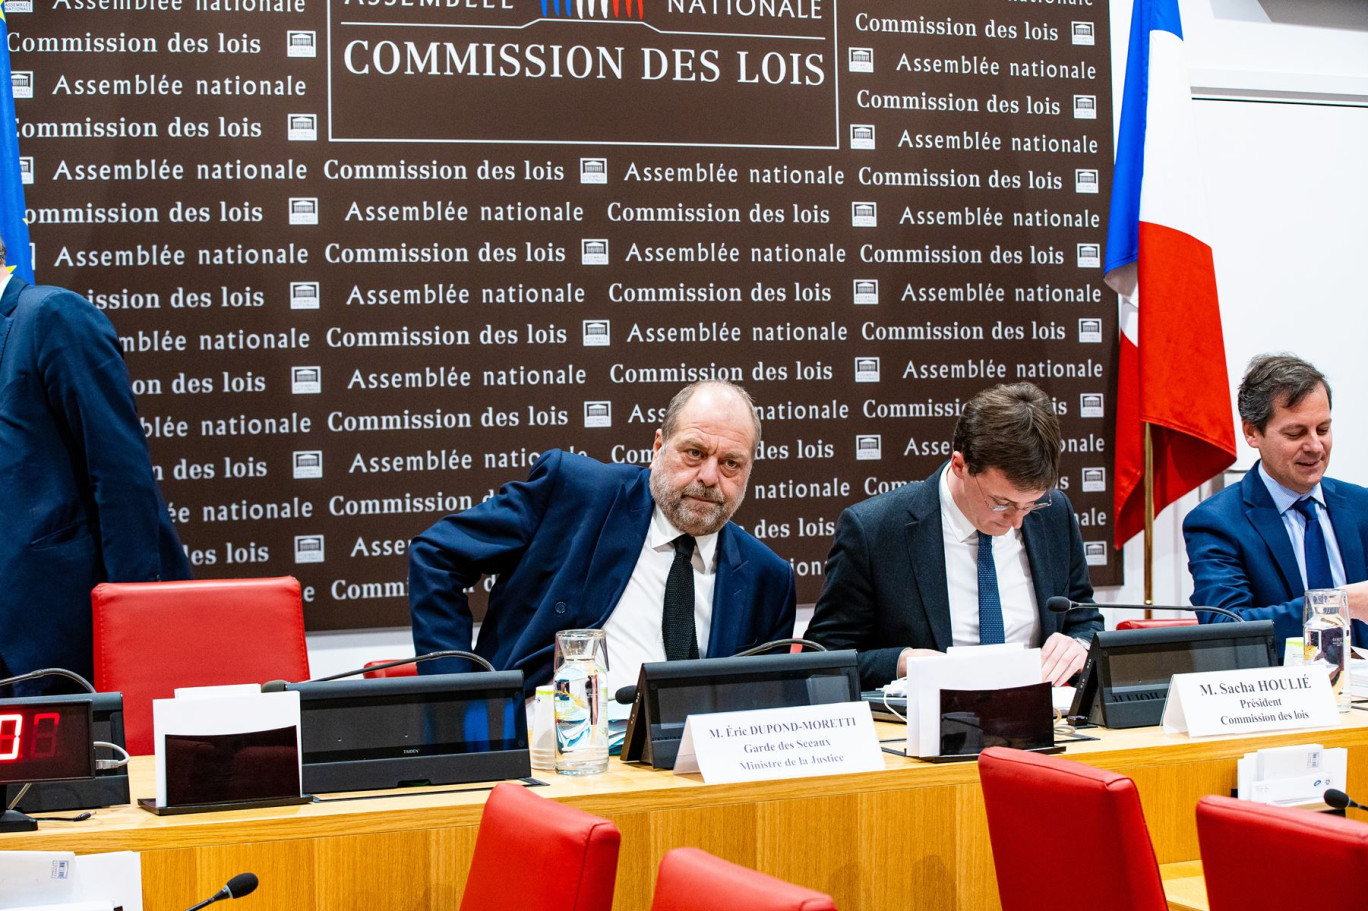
(591, 9)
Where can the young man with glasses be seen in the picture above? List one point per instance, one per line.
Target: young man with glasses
(969, 556)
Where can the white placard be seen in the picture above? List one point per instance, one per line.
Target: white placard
(1251, 700)
(980, 667)
(770, 744)
(205, 713)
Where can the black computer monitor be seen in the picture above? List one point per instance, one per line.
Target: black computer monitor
(435, 729)
(668, 692)
(1126, 678)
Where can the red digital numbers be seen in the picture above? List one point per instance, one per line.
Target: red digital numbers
(45, 735)
(11, 736)
(41, 742)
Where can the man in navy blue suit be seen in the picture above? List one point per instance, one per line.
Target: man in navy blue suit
(582, 544)
(970, 556)
(78, 501)
(1255, 548)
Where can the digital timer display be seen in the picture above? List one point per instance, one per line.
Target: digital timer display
(45, 740)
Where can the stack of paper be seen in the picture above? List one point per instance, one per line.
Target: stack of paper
(1289, 776)
(984, 667)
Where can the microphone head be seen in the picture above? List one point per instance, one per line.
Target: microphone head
(1059, 604)
(241, 885)
(1337, 799)
(626, 695)
(273, 686)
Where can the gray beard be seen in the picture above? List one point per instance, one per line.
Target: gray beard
(692, 521)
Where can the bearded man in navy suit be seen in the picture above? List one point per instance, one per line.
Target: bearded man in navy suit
(583, 544)
(78, 498)
(1256, 547)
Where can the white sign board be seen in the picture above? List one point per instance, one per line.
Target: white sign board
(770, 744)
(990, 667)
(203, 711)
(1249, 701)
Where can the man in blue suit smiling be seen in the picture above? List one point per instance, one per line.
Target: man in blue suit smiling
(1255, 548)
(648, 555)
(78, 501)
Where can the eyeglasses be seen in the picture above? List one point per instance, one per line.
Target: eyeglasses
(995, 504)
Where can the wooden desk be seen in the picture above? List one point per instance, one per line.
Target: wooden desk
(911, 837)
(1185, 886)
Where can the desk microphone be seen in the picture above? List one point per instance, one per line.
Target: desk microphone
(50, 672)
(1341, 801)
(239, 886)
(1059, 604)
(278, 686)
(627, 695)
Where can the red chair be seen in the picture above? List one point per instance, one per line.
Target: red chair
(1156, 624)
(694, 880)
(1093, 817)
(534, 854)
(1256, 856)
(399, 670)
(152, 637)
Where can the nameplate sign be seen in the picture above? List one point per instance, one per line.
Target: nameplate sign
(1249, 701)
(769, 744)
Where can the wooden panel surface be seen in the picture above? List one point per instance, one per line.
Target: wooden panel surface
(913, 836)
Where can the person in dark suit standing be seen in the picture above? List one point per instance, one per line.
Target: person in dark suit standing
(79, 501)
(967, 557)
(648, 555)
(1256, 547)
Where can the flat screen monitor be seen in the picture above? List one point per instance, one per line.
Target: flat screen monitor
(386, 732)
(1126, 678)
(668, 692)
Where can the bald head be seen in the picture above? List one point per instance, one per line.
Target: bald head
(702, 456)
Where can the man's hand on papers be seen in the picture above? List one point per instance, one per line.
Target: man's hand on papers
(1060, 658)
(913, 653)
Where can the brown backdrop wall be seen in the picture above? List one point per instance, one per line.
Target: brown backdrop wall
(369, 259)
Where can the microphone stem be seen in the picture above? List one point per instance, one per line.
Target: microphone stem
(222, 893)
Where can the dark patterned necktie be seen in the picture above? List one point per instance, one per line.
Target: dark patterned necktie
(677, 621)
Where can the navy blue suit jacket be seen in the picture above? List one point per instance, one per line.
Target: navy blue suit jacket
(1241, 558)
(886, 586)
(563, 544)
(78, 499)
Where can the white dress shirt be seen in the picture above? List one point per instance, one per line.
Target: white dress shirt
(633, 628)
(1020, 618)
(1283, 501)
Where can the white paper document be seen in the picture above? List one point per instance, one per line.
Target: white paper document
(54, 880)
(233, 712)
(990, 668)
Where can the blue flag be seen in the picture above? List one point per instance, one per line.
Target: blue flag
(12, 224)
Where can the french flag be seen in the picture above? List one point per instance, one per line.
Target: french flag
(1172, 372)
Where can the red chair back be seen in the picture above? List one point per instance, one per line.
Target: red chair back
(1156, 624)
(399, 670)
(152, 637)
(694, 880)
(1093, 817)
(1255, 856)
(534, 854)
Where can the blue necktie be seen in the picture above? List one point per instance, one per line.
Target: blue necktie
(990, 605)
(1316, 556)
